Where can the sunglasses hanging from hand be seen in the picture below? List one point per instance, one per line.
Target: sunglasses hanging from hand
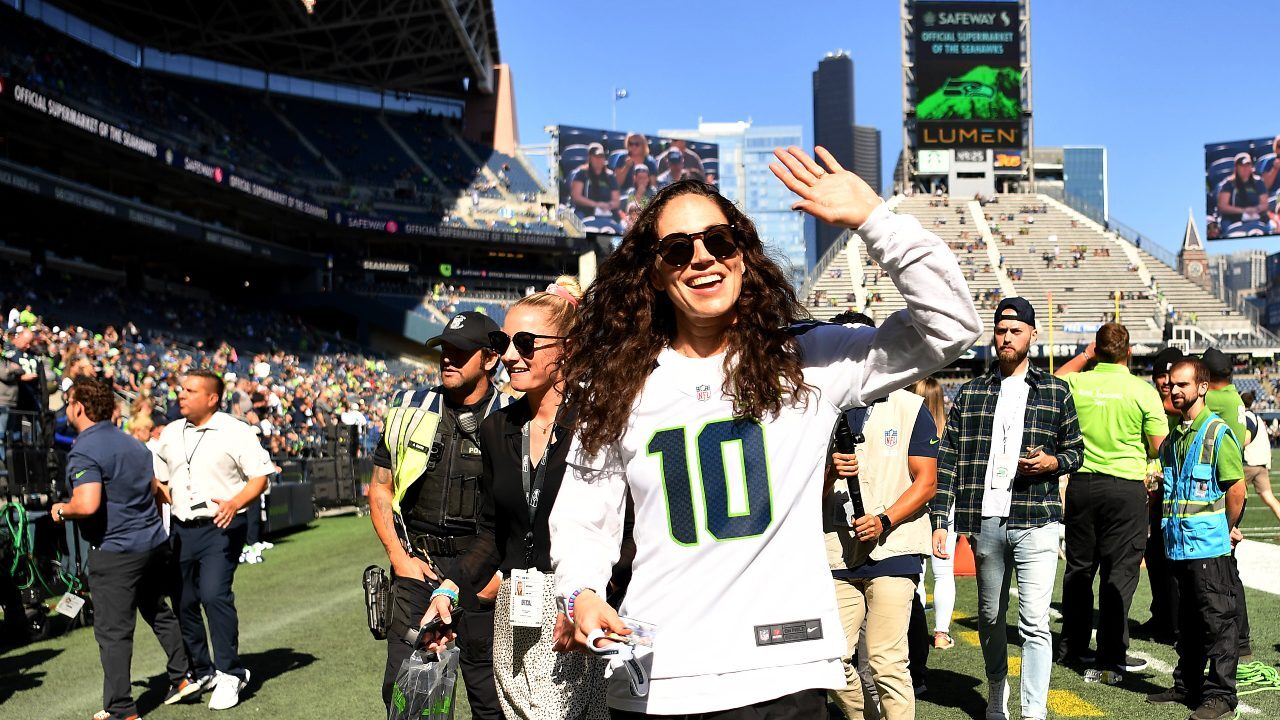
(677, 249)
(524, 342)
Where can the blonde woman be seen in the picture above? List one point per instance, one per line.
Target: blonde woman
(944, 581)
(524, 448)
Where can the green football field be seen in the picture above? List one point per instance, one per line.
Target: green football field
(303, 636)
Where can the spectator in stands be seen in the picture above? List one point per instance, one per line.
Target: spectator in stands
(593, 189)
(642, 189)
(1269, 167)
(12, 375)
(1010, 435)
(637, 147)
(1257, 455)
(1243, 195)
(690, 159)
(675, 168)
(1164, 615)
(1123, 422)
(113, 499)
(1204, 501)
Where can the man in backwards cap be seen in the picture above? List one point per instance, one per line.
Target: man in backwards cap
(424, 499)
(1011, 434)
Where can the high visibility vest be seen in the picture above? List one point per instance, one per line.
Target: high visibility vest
(410, 430)
(1194, 519)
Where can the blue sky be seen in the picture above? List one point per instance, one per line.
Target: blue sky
(1152, 81)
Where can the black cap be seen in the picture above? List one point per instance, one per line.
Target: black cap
(1217, 362)
(1016, 308)
(466, 331)
(1164, 360)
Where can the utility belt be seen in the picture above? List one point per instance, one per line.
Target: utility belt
(432, 546)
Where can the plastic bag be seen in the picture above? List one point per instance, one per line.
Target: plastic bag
(424, 688)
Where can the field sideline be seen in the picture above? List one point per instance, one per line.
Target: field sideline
(303, 636)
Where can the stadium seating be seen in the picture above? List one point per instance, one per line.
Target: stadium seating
(1058, 252)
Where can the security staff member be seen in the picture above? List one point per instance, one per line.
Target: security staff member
(424, 499)
(214, 468)
(1203, 500)
(113, 499)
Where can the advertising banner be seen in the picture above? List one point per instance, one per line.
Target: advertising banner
(968, 75)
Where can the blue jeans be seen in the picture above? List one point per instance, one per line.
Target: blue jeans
(1032, 554)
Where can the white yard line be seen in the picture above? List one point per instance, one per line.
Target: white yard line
(1258, 562)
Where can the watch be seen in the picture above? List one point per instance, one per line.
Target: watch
(885, 522)
(60, 515)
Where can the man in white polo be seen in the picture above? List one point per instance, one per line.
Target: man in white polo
(214, 468)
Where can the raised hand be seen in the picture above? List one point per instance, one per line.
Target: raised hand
(832, 194)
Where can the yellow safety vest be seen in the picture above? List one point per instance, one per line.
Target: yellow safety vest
(410, 430)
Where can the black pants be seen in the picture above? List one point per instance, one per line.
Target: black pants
(123, 583)
(1106, 523)
(918, 642)
(1164, 611)
(1208, 612)
(803, 705)
(253, 515)
(1244, 647)
(409, 602)
(207, 558)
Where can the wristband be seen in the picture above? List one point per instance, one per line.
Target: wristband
(568, 604)
(446, 592)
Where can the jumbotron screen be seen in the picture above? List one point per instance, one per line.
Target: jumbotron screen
(607, 176)
(1242, 188)
(968, 74)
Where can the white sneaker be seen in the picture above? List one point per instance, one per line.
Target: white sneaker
(997, 699)
(226, 690)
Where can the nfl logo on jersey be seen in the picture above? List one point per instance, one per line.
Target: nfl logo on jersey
(891, 437)
(704, 393)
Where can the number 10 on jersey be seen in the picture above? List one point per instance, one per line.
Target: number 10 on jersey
(723, 524)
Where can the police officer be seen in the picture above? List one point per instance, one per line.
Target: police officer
(424, 499)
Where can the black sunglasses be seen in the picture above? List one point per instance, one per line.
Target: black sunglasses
(677, 249)
(499, 341)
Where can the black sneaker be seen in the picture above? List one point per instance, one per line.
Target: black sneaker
(1134, 664)
(1172, 696)
(1214, 707)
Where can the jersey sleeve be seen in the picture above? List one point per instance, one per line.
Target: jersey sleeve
(924, 435)
(586, 522)
(381, 455)
(252, 459)
(82, 470)
(855, 365)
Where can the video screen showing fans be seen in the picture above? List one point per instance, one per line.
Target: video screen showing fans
(1242, 188)
(607, 176)
(968, 74)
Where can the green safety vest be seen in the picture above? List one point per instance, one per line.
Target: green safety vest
(410, 430)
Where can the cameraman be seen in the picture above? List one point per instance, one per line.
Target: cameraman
(113, 498)
(876, 563)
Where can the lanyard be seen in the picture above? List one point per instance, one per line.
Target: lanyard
(533, 485)
(194, 450)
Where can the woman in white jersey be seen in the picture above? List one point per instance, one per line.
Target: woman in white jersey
(693, 394)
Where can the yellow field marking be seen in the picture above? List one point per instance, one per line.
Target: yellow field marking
(1015, 666)
(970, 636)
(1068, 704)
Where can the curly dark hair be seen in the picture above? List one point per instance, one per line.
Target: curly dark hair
(623, 323)
(95, 396)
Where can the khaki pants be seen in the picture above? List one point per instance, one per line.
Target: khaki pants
(885, 603)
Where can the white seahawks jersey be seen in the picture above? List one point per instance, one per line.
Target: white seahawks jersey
(731, 564)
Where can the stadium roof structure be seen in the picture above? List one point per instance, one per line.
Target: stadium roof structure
(412, 46)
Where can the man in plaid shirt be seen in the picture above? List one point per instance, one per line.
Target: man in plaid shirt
(1010, 434)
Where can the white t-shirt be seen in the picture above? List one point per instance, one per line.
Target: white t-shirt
(1006, 445)
(209, 462)
(728, 527)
